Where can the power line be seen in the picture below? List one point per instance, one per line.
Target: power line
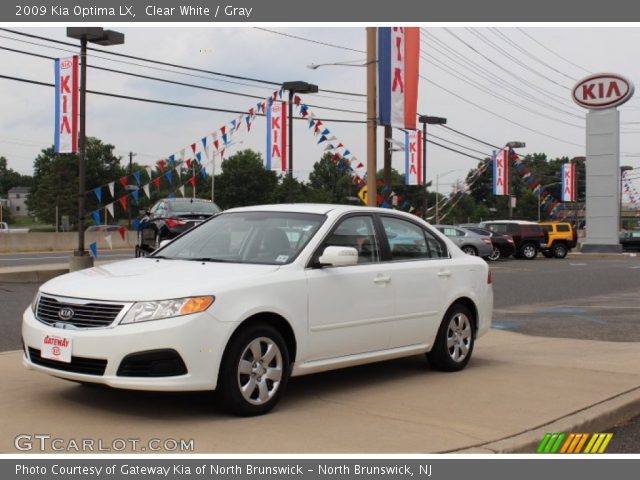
(469, 136)
(481, 72)
(502, 117)
(552, 51)
(167, 64)
(174, 82)
(173, 104)
(318, 42)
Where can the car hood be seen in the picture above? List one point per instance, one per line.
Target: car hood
(153, 279)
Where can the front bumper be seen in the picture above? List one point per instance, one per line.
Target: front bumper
(199, 340)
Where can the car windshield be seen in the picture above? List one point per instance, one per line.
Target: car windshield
(186, 207)
(271, 238)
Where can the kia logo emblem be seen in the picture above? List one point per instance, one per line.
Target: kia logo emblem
(66, 313)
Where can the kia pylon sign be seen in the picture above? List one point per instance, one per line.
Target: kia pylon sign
(602, 90)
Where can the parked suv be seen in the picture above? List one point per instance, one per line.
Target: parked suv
(561, 238)
(528, 237)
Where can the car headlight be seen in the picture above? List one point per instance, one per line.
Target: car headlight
(157, 310)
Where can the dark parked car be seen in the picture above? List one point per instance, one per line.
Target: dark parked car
(528, 237)
(170, 217)
(630, 241)
(503, 246)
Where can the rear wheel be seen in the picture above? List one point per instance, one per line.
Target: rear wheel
(528, 251)
(469, 250)
(559, 250)
(254, 371)
(495, 254)
(454, 343)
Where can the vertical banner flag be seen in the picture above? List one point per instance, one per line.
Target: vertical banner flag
(277, 136)
(413, 158)
(501, 172)
(569, 182)
(66, 105)
(398, 69)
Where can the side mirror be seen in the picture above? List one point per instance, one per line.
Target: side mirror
(339, 256)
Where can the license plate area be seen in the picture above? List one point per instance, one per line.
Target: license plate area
(54, 347)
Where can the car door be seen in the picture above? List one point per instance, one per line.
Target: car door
(420, 268)
(350, 307)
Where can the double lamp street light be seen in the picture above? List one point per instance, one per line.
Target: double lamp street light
(98, 35)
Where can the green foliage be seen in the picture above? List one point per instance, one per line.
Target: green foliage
(244, 181)
(9, 178)
(329, 184)
(55, 180)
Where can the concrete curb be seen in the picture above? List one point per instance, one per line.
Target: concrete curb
(32, 276)
(595, 418)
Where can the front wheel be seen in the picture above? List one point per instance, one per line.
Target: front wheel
(495, 254)
(454, 343)
(254, 371)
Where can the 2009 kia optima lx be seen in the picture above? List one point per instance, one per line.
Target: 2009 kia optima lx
(256, 295)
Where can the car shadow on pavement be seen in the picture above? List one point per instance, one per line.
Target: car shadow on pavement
(381, 376)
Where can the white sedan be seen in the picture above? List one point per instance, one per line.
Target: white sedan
(259, 294)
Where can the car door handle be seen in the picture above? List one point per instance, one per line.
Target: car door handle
(444, 273)
(381, 279)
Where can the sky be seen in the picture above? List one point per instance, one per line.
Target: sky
(496, 84)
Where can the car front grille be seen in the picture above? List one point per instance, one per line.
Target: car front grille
(87, 366)
(83, 315)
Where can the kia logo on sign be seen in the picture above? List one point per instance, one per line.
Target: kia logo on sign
(66, 313)
(602, 90)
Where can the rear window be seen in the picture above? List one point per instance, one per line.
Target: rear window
(186, 207)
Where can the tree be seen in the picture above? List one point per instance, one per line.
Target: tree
(55, 180)
(329, 183)
(9, 178)
(244, 181)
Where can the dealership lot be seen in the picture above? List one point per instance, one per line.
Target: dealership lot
(514, 383)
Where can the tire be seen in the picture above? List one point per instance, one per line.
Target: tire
(454, 344)
(495, 254)
(559, 250)
(528, 251)
(254, 371)
(469, 250)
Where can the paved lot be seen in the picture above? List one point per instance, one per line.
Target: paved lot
(515, 383)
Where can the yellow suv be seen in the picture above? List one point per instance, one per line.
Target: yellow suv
(561, 237)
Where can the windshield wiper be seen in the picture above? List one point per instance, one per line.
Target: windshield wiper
(210, 259)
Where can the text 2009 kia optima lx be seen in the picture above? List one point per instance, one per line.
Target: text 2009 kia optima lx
(256, 295)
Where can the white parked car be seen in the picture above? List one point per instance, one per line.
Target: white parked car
(256, 295)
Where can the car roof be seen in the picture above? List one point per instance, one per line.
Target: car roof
(519, 222)
(318, 208)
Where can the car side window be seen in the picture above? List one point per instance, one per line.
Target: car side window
(357, 232)
(437, 248)
(406, 240)
(563, 228)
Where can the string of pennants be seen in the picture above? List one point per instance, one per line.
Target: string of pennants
(632, 193)
(199, 153)
(547, 201)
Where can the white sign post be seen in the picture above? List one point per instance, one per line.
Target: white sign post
(601, 94)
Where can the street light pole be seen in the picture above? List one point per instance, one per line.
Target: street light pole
(431, 120)
(372, 121)
(293, 88)
(511, 146)
(81, 258)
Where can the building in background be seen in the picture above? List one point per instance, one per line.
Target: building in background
(17, 197)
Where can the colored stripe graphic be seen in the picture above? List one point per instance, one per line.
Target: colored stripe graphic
(573, 443)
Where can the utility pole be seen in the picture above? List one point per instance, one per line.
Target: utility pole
(371, 117)
(388, 134)
(131, 155)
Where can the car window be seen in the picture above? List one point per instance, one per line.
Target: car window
(357, 232)
(406, 240)
(547, 228)
(563, 228)
(437, 248)
(246, 237)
